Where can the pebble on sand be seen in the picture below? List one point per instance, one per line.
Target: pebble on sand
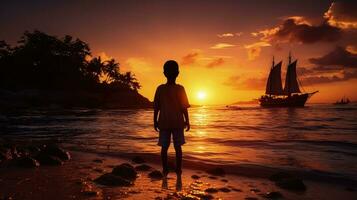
(195, 177)
(155, 174)
(110, 179)
(125, 171)
(143, 167)
(273, 195)
(138, 160)
(27, 162)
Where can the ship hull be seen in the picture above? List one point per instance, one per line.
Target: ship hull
(296, 100)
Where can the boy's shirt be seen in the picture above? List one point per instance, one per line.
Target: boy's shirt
(170, 100)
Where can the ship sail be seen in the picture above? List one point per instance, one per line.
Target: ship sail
(291, 83)
(274, 85)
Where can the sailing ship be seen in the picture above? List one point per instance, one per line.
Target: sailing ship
(290, 95)
(343, 101)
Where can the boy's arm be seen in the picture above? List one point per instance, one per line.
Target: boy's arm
(156, 109)
(156, 124)
(187, 120)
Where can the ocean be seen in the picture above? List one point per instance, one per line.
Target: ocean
(317, 138)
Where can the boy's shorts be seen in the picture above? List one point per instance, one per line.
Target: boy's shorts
(177, 136)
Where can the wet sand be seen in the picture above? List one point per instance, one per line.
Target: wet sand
(74, 180)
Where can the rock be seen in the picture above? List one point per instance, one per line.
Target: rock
(142, 167)
(98, 161)
(155, 174)
(211, 190)
(138, 160)
(224, 180)
(291, 184)
(273, 195)
(280, 176)
(27, 162)
(33, 149)
(288, 181)
(195, 177)
(56, 151)
(110, 179)
(126, 171)
(350, 189)
(251, 198)
(217, 171)
(212, 177)
(255, 190)
(5, 154)
(46, 159)
(224, 189)
(237, 190)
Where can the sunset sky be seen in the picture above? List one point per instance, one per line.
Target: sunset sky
(224, 47)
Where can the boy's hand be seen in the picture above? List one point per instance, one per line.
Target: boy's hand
(156, 126)
(187, 124)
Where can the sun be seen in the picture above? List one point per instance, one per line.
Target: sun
(201, 95)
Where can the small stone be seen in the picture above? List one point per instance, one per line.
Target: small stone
(255, 190)
(98, 161)
(46, 159)
(27, 162)
(224, 180)
(280, 176)
(273, 195)
(195, 177)
(350, 189)
(56, 151)
(211, 190)
(212, 177)
(217, 171)
(224, 189)
(138, 160)
(126, 171)
(155, 174)
(143, 167)
(292, 184)
(237, 190)
(112, 180)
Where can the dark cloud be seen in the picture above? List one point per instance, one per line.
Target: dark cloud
(189, 58)
(216, 62)
(296, 29)
(338, 57)
(323, 79)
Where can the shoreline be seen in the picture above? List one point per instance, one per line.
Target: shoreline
(75, 179)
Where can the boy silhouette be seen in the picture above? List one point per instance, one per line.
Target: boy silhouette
(171, 116)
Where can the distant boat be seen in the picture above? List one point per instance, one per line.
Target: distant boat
(343, 101)
(290, 96)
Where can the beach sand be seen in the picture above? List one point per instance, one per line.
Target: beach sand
(74, 180)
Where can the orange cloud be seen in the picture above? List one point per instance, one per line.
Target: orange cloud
(222, 46)
(189, 58)
(224, 35)
(342, 14)
(216, 62)
(255, 49)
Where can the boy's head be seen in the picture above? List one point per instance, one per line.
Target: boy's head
(171, 69)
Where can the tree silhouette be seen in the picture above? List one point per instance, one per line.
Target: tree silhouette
(42, 61)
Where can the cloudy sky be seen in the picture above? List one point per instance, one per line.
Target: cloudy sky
(224, 47)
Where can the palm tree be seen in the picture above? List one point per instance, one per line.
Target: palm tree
(111, 71)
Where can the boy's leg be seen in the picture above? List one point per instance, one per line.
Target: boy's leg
(179, 140)
(165, 169)
(178, 151)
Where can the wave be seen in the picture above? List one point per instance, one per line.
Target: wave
(242, 169)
